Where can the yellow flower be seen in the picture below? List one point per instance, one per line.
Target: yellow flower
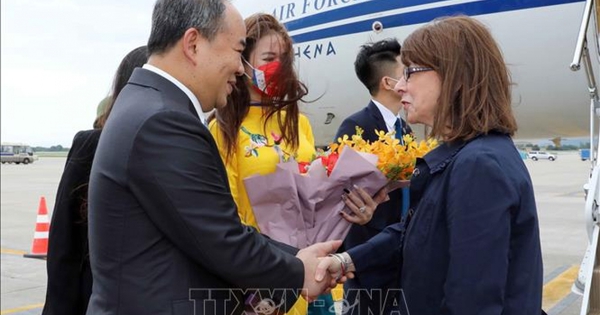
(395, 161)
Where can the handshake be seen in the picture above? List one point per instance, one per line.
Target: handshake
(324, 270)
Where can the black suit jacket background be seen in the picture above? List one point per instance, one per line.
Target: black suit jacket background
(370, 119)
(68, 265)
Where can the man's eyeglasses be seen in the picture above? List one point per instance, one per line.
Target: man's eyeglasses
(410, 70)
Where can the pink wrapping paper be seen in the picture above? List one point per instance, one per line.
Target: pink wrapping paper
(303, 209)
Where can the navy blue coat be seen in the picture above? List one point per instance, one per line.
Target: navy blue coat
(370, 119)
(472, 245)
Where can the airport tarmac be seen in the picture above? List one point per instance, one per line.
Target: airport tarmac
(559, 195)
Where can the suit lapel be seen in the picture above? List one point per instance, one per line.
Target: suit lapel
(193, 110)
(376, 116)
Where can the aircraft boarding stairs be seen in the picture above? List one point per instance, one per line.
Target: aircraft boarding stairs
(587, 54)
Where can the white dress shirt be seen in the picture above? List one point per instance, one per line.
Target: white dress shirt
(388, 116)
(180, 85)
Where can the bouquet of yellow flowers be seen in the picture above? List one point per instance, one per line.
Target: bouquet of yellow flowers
(299, 203)
(395, 159)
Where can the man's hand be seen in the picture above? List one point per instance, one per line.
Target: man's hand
(310, 257)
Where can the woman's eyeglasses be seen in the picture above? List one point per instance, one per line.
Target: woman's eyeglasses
(410, 70)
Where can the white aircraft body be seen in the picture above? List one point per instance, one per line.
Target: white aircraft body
(539, 39)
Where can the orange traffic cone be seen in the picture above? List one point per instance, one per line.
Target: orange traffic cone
(39, 249)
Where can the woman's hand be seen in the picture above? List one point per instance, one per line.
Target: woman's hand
(362, 205)
(334, 267)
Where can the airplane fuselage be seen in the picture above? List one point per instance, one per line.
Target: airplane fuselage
(537, 38)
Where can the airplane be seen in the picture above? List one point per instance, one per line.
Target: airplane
(537, 38)
(543, 42)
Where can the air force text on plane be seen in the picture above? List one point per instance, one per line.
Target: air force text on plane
(299, 8)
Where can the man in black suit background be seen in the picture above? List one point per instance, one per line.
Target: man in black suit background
(378, 67)
(165, 237)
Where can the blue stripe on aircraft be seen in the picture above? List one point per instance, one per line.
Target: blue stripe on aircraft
(423, 16)
(352, 11)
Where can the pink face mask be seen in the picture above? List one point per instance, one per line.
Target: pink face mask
(262, 77)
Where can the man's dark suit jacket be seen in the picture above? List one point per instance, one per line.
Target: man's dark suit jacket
(68, 266)
(370, 119)
(163, 226)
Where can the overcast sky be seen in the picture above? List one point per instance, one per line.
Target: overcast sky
(58, 58)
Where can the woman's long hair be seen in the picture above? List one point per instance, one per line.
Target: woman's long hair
(134, 59)
(475, 96)
(289, 90)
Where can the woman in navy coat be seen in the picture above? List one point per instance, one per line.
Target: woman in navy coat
(470, 244)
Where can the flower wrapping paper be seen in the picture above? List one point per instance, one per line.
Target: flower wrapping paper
(303, 209)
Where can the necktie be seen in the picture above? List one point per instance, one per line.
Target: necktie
(405, 190)
(398, 127)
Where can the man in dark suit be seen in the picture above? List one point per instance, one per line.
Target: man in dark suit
(165, 237)
(378, 67)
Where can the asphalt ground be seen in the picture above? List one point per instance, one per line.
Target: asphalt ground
(559, 195)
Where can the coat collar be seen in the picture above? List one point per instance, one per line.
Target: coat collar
(440, 157)
(147, 78)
